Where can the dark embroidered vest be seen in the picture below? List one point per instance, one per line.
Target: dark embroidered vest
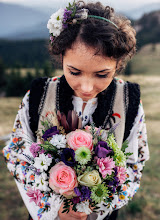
(118, 104)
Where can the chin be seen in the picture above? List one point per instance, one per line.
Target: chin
(85, 97)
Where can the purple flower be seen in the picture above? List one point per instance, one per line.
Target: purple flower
(115, 182)
(85, 193)
(42, 151)
(76, 200)
(34, 149)
(68, 157)
(114, 189)
(115, 171)
(102, 149)
(65, 26)
(35, 196)
(77, 191)
(50, 132)
(67, 15)
(51, 39)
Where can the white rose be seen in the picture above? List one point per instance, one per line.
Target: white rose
(89, 179)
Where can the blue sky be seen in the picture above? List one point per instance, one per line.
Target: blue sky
(118, 4)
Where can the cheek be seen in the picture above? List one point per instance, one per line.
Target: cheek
(102, 84)
(71, 80)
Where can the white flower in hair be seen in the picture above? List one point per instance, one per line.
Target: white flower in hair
(55, 24)
(59, 141)
(82, 14)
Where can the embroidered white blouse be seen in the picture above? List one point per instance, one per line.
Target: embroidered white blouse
(50, 206)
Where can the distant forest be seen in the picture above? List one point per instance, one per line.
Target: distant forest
(27, 53)
(17, 55)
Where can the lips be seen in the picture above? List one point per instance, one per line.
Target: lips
(86, 94)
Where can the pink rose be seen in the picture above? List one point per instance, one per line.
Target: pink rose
(121, 174)
(63, 179)
(79, 138)
(106, 166)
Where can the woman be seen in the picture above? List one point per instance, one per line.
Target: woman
(94, 44)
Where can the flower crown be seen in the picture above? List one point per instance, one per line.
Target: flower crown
(70, 15)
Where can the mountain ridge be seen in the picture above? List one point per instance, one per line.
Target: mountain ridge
(29, 23)
(17, 18)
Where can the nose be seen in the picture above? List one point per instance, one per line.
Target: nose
(86, 86)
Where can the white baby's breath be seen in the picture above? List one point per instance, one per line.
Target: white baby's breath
(58, 141)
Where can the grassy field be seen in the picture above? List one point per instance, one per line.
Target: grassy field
(145, 205)
(147, 60)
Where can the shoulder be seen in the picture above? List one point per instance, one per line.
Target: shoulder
(132, 95)
(39, 85)
(131, 85)
(38, 92)
(131, 90)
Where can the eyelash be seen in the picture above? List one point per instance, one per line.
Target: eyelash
(75, 74)
(99, 76)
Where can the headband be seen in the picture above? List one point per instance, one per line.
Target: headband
(70, 15)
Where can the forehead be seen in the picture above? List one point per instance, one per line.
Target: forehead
(82, 56)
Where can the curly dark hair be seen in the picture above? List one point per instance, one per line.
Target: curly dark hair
(103, 36)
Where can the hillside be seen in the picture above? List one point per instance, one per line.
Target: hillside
(137, 13)
(21, 22)
(15, 18)
(148, 28)
(147, 60)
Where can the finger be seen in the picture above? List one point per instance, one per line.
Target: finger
(78, 214)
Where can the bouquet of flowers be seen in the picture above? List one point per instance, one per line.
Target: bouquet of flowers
(83, 166)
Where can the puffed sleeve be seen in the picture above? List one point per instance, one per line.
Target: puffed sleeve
(44, 205)
(135, 163)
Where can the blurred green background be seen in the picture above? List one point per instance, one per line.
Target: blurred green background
(24, 57)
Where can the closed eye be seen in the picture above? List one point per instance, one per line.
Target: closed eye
(102, 76)
(75, 73)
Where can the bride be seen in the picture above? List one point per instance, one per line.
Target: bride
(94, 44)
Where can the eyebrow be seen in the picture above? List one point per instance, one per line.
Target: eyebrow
(94, 72)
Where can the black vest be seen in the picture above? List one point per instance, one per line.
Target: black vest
(38, 92)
